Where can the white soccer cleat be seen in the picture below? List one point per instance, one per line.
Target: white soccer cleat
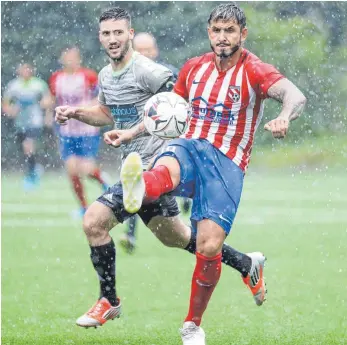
(99, 313)
(133, 184)
(192, 334)
(255, 278)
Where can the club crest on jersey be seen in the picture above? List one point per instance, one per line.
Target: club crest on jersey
(234, 93)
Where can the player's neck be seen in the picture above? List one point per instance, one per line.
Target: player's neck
(120, 65)
(226, 63)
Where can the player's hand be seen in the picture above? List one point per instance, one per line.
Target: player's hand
(11, 111)
(63, 114)
(278, 127)
(116, 137)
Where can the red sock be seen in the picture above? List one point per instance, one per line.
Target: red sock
(158, 181)
(205, 278)
(79, 190)
(96, 175)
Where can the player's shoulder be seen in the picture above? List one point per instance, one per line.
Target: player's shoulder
(39, 82)
(198, 61)
(105, 71)
(146, 65)
(252, 62)
(55, 75)
(88, 72)
(146, 70)
(13, 83)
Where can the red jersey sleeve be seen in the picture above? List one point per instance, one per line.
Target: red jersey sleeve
(181, 84)
(91, 81)
(92, 78)
(262, 76)
(52, 83)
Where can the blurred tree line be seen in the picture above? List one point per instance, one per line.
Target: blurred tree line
(307, 41)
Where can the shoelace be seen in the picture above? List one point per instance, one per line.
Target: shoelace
(188, 332)
(95, 310)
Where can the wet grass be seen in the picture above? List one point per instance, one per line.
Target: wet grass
(298, 219)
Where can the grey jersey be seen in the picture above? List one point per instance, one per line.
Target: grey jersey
(126, 93)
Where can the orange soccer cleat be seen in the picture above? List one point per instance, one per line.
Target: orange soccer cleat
(99, 313)
(255, 278)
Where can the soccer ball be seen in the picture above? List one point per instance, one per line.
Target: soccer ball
(166, 115)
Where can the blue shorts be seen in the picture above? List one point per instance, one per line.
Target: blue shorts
(86, 146)
(210, 178)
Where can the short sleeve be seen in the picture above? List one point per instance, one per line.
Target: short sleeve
(52, 83)
(43, 87)
(151, 76)
(92, 79)
(101, 96)
(262, 76)
(9, 91)
(181, 84)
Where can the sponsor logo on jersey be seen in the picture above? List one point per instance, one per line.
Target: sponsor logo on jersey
(219, 113)
(124, 113)
(197, 82)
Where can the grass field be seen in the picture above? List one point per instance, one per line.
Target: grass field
(298, 220)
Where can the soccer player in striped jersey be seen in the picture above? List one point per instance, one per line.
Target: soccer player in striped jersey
(226, 89)
(124, 87)
(75, 85)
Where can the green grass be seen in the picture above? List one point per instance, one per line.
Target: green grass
(298, 220)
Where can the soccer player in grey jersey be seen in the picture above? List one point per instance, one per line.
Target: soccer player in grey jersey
(146, 45)
(122, 104)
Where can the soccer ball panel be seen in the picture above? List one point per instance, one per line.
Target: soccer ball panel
(166, 115)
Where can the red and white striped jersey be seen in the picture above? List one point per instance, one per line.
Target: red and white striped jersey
(75, 89)
(226, 107)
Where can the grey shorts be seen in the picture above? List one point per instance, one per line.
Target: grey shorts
(165, 206)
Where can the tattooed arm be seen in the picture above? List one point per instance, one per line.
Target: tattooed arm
(285, 92)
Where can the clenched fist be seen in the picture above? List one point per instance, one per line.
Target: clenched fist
(278, 127)
(63, 114)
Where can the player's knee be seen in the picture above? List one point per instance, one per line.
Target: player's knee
(209, 247)
(93, 225)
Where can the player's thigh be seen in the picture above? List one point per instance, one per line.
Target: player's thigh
(171, 231)
(28, 145)
(218, 189)
(88, 165)
(178, 153)
(112, 198)
(73, 165)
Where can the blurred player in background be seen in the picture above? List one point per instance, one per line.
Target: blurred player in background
(79, 143)
(146, 44)
(125, 85)
(26, 99)
(226, 89)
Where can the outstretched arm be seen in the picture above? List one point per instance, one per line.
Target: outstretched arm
(98, 115)
(293, 102)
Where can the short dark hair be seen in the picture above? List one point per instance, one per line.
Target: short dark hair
(226, 12)
(115, 13)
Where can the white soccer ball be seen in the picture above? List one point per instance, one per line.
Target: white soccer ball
(166, 115)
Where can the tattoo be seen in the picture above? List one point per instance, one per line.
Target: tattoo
(293, 100)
